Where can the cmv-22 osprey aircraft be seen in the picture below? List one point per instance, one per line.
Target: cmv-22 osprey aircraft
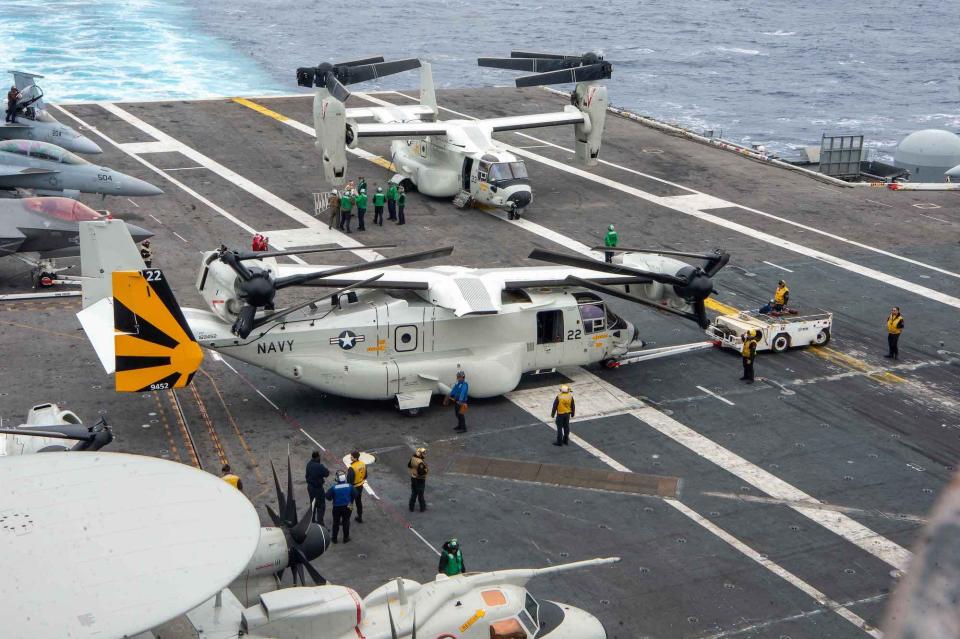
(386, 332)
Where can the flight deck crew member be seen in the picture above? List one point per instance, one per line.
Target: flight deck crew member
(458, 395)
(564, 408)
(401, 202)
(357, 477)
(361, 208)
(610, 241)
(378, 200)
(749, 352)
(346, 209)
(12, 96)
(260, 243)
(316, 473)
(362, 185)
(781, 296)
(340, 494)
(392, 202)
(894, 328)
(418, 478)
(227, 476)
(146, 253)
(333, 209)
(451, 559)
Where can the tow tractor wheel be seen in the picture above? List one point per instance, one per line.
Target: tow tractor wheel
(822, 337)
(780, 343)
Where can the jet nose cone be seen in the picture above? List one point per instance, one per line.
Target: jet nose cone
(83, 144)
(134, 187)
(138, 233)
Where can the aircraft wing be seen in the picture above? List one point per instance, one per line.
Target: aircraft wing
(11, 238)
(416, 128)
(110, 545)
(12, 169)
(516, 122)
(404, 113)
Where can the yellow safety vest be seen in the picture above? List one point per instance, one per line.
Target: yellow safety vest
(563, 403)
(895, 324)
(232, 479)
(359, 472)
(749, 348)
(780, 296)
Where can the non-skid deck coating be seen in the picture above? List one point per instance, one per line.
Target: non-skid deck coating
(801, 495)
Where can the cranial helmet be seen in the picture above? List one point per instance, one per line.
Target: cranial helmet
(610, 228)
(421, 451)
(453, 544)
(564, 389)
(341, 477)
(460, 374)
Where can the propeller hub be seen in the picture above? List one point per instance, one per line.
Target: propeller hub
(259, 290)
(698, 286)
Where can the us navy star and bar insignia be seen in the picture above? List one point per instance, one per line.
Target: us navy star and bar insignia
(154, 347)
(347, 340)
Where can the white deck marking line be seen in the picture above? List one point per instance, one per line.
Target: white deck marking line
(254, 189)
(754, 627)
(837, 523)
(782, 268)
(709, 218)
(183, 187)
(135, 204)
(539, 410)
(181, 237)
(714, 395)
(889, 206)
(423, 539)
(938, 219)
(318, 444)
(866, 512)
(186, 168)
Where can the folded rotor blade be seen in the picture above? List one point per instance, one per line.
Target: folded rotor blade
(365, 72)
(336, 88)
(546, 56)
(536, 65)
(292, 280)
(603, 267)
(287, 311)
(715, 261)
(256, 255)
(354, 63)
(614, 292)
(589, 73)
(63, 431)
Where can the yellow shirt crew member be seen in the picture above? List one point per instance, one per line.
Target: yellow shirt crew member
(357, 477)
(894, 328)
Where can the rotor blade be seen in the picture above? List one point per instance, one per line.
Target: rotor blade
(290, 513)
(715, 261)
(298, 568)
(281, 502)
(253, 255)
(335, 87)
(413, 635)
(299, 532)
(291, 280)
(548, 56)
(354, 63)
(72, 432)
(536, 65)
(365, 72)
(231, 259)
(700, 311)
(245, 321)
(589, 73)
(603, 267)
(274, 517)
(614, 292)
(287, 311)
(393, 627)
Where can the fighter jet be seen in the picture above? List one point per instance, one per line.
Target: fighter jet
(35, 123)
(46, 169)
(48, 226)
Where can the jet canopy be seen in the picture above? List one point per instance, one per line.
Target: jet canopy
(41, 151)
(62, 208)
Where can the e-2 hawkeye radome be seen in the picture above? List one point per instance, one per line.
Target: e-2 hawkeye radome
(385, 332)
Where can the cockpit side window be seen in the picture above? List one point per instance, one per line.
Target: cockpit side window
(500, 171)
(519, 170)
(593, 317)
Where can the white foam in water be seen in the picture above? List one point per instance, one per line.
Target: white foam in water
(122, 50)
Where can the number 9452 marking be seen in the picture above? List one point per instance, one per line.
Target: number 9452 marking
(160, 386)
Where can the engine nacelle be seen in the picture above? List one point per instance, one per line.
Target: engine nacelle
(217, 284)
(323, 612)
(330, 123)
(655, 292)
(591, 100)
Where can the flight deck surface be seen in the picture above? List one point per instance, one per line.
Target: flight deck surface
(794, 501)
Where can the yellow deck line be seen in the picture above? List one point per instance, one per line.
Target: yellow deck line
(259, 108)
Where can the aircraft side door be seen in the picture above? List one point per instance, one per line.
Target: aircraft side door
(550, 338)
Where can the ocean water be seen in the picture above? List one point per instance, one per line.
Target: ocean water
(778, 73)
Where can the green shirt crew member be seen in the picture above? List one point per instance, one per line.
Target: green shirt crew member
(451, 559)
(346, 208)
(392, 202)
(361, 210)
(610, 241)
(401, 202)
(362, 186)
(379, 199)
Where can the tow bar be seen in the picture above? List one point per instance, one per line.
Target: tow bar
(656, 353)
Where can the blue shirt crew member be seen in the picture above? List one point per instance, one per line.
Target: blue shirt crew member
(341, 494)
(458, 395)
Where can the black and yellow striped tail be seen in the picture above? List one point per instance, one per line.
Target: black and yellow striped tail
(154, 346)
